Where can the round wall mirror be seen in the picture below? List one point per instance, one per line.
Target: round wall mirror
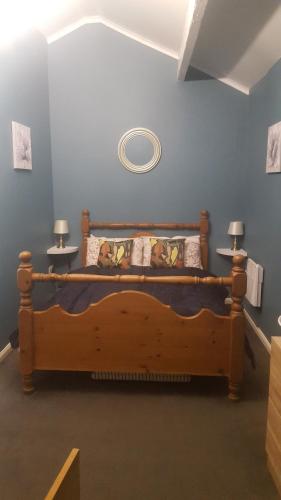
(139, 150)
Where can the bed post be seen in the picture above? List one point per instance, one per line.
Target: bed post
(85, 228)
(24, 279)
(239, 287)
(204, 229)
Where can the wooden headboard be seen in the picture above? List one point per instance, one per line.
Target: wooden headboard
(202, 226)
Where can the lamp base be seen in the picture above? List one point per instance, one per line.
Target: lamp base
(61, 242)
(234, 244)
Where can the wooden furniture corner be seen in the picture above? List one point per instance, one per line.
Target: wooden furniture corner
(67, 483)
(273, 434)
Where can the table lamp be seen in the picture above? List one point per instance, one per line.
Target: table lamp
(236, 228)
(61, 228)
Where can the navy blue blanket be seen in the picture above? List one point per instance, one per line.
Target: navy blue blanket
(185, 300)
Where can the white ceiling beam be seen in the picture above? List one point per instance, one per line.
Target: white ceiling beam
(194, 15)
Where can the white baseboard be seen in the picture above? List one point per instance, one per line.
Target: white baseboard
(4, 353)
(264, 340)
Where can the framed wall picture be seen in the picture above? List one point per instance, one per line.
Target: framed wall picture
(22, 156)
(273, 157)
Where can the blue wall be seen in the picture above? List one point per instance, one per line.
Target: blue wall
(263, 235)
(101, 84)
(26, 205)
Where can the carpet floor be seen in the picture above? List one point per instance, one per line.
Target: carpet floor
(137, 440)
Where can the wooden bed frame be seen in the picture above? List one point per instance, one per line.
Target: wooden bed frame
(130, 332)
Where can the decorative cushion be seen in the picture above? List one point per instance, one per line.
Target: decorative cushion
(115, 253)
(141, 252)
(93, 249)
(146, 251)
(192, 251)
(137, 252)
(167, 252)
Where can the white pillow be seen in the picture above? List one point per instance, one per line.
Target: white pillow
(93, 249)
(192, 252)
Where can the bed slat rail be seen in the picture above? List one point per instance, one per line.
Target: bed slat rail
(237, 279)
(132, 278)
(143, 225)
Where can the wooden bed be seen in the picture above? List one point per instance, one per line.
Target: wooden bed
(131, 332)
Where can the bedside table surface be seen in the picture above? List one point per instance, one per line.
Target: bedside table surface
(61, 251)
(231, 253)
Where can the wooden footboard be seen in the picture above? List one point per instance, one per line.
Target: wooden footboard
(132, 332)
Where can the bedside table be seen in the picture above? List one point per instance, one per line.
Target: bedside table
(230, 253)
(67, 251)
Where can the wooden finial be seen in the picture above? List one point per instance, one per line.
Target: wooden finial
(238, 261)
(204, 229)
(24, 280)
(239, 285)
(85, 228)
(25, 257)
(85, 221)
(204, 214)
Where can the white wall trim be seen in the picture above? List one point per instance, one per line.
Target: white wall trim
(4, 353)
(116, 27)
(264, 340)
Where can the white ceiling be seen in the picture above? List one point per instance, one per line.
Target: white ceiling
(158, 23)
(239, 40)
(236, 41)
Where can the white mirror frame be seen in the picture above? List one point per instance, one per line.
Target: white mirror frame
(139, 169)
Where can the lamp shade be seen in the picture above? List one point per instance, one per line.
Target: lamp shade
(61, 227)
(236, 228)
